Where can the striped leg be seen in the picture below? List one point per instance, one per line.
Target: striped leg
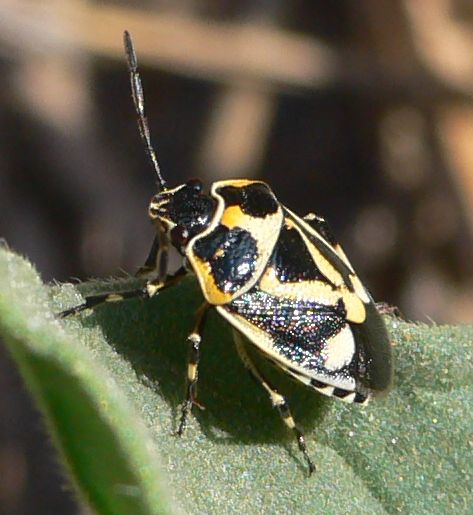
(95, 300)
(146, 292)
(156, 264)
(162, 257)
(194, 340)
(277, 400)
(151, 261)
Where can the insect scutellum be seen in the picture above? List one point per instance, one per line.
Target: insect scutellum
(282, 282)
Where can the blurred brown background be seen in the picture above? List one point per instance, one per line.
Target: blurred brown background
(359, 110)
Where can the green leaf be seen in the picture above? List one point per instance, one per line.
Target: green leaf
(111, 382)
(106, 448)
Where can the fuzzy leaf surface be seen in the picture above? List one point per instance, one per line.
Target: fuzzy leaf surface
(410, 452)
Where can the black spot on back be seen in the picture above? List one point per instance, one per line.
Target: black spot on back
(332, 257)
(231, 254)
(206, 247)
(291, 259)
(255, 199)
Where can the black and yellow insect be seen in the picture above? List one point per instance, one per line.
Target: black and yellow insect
(281, 281)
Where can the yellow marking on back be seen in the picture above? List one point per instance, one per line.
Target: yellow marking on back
(327, 269)
(359, 289)
(353, 300)
(212, 293)
(233, 216)
(304, 290)
(314, 291)
(356, 311)
(355, 281)
(339, 349)
(311, 230)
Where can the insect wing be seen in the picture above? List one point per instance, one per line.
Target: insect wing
(310, 314)
(371, 337)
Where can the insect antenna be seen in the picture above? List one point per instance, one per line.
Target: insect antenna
(139, 103)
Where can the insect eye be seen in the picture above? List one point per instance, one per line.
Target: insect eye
(179, 236)
(195, 184)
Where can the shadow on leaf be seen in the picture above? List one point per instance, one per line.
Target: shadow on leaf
(151, 335)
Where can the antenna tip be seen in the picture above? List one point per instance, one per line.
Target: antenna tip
(129, 50)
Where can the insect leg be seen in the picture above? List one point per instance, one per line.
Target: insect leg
(150, 263)
(194, 340)
(277, 400)
(156, 263)
(145, 292)
(162, 257)
(95, 300)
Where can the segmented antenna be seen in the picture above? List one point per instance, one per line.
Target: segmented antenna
(139, 102)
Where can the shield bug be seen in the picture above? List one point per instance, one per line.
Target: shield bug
(281, 281)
